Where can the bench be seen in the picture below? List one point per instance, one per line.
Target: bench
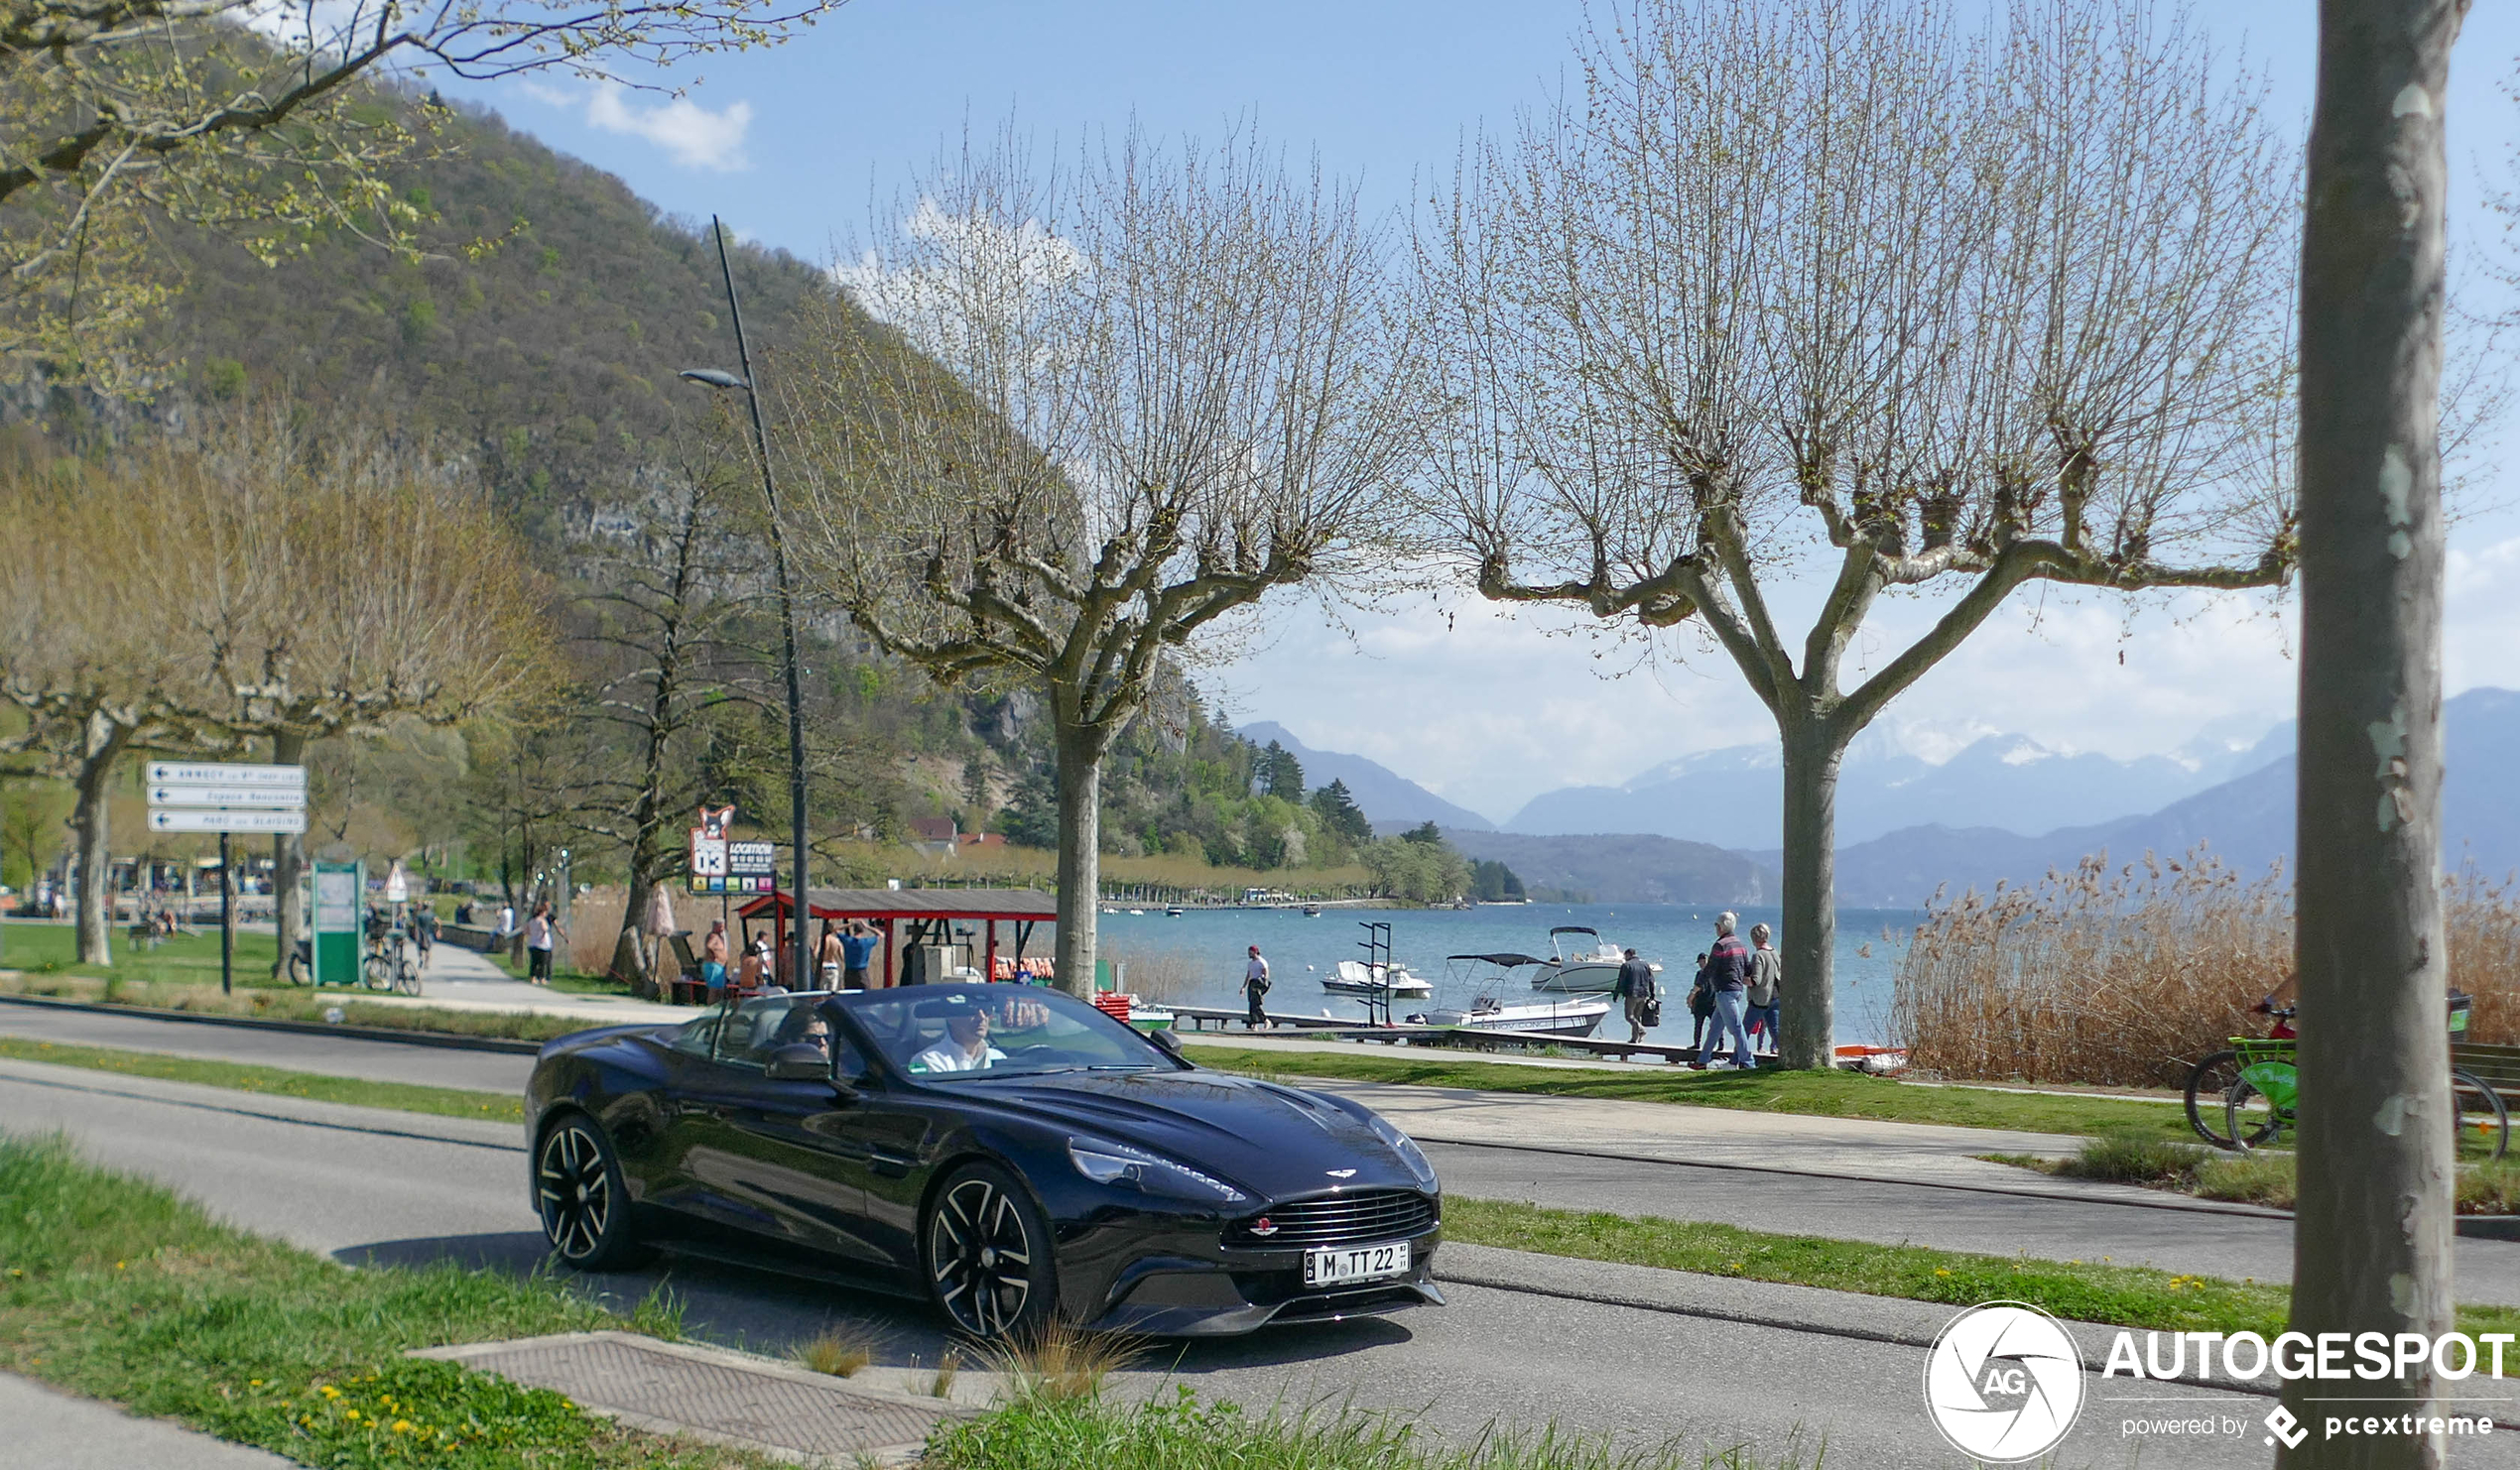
(2492, 1064)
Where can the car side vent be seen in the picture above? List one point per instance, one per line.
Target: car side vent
(1336, 1219)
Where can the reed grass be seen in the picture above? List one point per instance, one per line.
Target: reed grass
(2123, 975)
(837, 1352)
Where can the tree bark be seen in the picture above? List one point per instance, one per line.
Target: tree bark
(1080, 755)
(2372, 1232)
(288, 863)
(104, 742)
(1808, 942)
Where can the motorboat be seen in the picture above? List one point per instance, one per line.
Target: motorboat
(1580, 962)
(1377, 981)
(1311, 911)
(1488, 977)
(1175, 912)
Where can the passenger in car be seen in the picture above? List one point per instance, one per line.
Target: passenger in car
(964, 1047)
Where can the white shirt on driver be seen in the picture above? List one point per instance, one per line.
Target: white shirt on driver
(948, 1055)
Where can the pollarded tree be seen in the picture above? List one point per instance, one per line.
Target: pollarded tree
(343, 582)
(1165, 387)
(1838, 297)
(102, 638)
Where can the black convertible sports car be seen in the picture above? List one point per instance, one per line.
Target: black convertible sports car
(1005, 1150)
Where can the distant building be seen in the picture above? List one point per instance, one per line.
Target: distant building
(937, 836)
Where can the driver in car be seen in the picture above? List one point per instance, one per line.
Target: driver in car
(964, 1047)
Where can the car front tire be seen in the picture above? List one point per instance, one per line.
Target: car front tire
(988, 1249)
(579, 1192)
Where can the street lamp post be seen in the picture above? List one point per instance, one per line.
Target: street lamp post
(800, 975)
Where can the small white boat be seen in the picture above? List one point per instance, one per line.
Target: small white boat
(1567, 1017)
(1576, 967)
(1173, 913)
(1377, 981)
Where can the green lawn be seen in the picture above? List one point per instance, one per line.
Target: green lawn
(113, 1287)
(290, 1003)
(53, 949)
(1832, 1094)
(444, 1102)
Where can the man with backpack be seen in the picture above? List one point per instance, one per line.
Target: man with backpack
(1726, 975)
(1255, 984)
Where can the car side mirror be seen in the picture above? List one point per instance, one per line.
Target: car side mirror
(1166, 1043)
(799, 1061)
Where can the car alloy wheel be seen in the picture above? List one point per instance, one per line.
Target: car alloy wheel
(987, 1262)
(578, 1190)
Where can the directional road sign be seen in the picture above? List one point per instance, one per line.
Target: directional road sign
(236, 819)
(226, 795)
(184, 773)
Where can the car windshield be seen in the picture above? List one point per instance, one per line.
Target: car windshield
(944, 1033)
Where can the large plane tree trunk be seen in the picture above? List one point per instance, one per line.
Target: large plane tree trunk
(288, 863)
(1808, 942)
(2371, 1239)
(1081, 753)
(103, 749)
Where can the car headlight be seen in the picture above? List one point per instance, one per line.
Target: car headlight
(1406, 1146)
(1118, 1163)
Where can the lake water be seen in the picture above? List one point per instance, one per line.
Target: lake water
(1302, 950)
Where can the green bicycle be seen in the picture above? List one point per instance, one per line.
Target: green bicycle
(2258, 1107)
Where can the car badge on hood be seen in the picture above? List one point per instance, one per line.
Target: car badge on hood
(1340, 1174)
(1264, 1226)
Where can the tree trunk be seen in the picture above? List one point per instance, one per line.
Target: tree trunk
(1807, 945)
(629, 948)
(1080, 856)
(288, 863)
(2371, 1239)
(100, 752)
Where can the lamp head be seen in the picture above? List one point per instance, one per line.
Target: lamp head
(713, 377)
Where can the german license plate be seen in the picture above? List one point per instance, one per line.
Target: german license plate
(1328, 1267)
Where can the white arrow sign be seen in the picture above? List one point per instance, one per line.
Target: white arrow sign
(226, 795)
(170, 820)
(178, 772)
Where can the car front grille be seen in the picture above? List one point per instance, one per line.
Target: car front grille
(1336, 1219)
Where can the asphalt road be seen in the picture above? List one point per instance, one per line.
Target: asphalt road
(369, 1185)
(2235, 1245)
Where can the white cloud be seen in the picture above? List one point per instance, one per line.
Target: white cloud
(691, 135)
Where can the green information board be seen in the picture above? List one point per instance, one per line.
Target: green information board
(336, 921)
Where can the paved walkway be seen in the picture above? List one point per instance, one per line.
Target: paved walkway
(461, 979)
(47, 1429)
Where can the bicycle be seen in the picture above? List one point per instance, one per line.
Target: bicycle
(2258, 1106)
(388, 964)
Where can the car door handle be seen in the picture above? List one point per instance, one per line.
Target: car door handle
(891, 1166)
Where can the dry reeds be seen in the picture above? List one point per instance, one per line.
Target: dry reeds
(1157, 976)
(838, 1351)
(2124, 976)
(1059, 1363)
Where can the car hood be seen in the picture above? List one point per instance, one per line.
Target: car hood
(1272, 1139)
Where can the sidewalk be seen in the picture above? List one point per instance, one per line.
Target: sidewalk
(49, 1430)
(461, 979)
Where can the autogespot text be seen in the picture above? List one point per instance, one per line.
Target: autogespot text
(2292, 1356)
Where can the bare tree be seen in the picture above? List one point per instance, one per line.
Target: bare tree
(668, 606)
(257, 117)
(1836, 300)
(1166, 387)
(2372, 1249)
(354, 582)
(101, 636)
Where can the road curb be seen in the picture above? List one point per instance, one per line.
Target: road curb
(447, 1039)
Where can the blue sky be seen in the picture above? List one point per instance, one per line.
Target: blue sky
(795, 145)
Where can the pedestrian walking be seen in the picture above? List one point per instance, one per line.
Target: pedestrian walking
(713, 961)
(1701, 1003)
(1255, 984)
(828, 956)
(1767, 970)
(541, 934)
(423, 931)
(857, 955)
(1635, 987)
(756, 964)
(1726, 975)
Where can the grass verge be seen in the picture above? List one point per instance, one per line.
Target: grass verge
(113, 1287)
(1042, 1432)
(2090, 1292)
(409, 1097)
(1832, 1094)
(2264, 1178)
(287, 1003)
(53, 949)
